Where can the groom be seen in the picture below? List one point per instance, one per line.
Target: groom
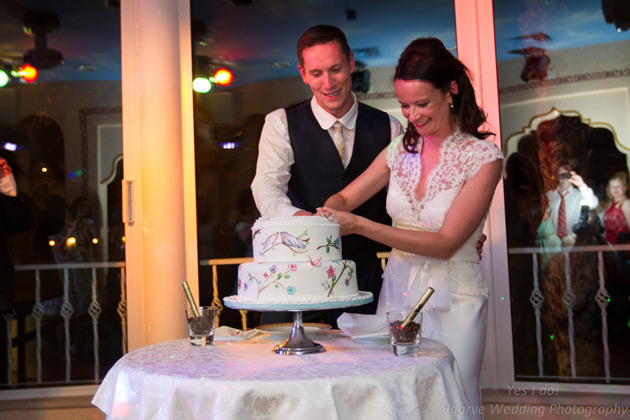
(300, 164)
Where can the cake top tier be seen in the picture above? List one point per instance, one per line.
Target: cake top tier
(295, 239)
(294, 221)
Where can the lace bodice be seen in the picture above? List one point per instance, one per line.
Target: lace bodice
(461, 157)
(407, 275)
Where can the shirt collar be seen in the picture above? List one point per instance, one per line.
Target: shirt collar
(327, 120)
(565, 192)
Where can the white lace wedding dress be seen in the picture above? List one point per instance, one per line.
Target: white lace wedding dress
(458, 282)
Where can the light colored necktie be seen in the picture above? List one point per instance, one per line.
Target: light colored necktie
(339, 141)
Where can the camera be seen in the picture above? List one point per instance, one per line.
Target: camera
(582, 223)
(565, 175)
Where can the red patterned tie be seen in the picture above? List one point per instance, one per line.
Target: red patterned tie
(562, 218)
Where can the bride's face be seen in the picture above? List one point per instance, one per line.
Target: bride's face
(426, 107)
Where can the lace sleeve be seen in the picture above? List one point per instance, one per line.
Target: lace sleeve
(393, 150)
(484, 151)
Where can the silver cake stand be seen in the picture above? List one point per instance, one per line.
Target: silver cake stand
(298, 342)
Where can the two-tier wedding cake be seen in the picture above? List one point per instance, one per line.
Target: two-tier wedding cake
(296, 260)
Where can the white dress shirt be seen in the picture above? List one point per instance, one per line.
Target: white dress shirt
(574, 200)
(275, 156)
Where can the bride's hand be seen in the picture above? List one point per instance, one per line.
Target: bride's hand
(347, 221)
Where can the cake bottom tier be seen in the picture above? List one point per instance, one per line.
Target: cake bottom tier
(289, 282)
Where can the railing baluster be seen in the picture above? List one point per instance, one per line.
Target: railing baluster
(602, 298)
(38, 313)
(216, 301)
(569, 301)
(66, 314)
(122, 308)
(537, 298)
(95, 311)
(215, 293)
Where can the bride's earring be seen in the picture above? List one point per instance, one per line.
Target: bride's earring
(452, 106)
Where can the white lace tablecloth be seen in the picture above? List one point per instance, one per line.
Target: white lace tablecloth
(353, 379)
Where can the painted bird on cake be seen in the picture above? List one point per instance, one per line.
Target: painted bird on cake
(269, 242)
(291, 241)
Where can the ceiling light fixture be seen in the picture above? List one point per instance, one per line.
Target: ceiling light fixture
(41, 23)
(201, 84)
(223, 77)
(28, 73)
(4, 78)
(206, 73)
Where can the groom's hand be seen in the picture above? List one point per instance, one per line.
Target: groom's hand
(480, 245)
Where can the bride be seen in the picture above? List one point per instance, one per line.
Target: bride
(442, 176)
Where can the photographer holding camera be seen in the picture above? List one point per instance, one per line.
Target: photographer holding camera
(566, 203)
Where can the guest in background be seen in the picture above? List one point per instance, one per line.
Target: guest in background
(617, 219)
(566, 202)
(77, 243)
(50, 222)
(300, 164)
(15, 217)
(442, 176)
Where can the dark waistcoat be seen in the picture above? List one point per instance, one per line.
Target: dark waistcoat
(318, 171)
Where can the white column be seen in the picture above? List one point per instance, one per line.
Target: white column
(159, 161)
(476, 49)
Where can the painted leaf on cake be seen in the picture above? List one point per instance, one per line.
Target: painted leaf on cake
(331, 244)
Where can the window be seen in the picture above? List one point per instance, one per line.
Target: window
(62, 134)
(563, 91)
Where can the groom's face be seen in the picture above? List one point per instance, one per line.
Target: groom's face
(328, 72)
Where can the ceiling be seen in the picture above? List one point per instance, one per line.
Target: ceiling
(256, 38)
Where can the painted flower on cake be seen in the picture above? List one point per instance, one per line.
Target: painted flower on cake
(335, 279)
(271, 280)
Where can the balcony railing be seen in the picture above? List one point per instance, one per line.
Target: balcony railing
(64, 309)
(601, 298)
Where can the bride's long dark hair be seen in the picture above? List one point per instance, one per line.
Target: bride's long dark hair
(428, 60)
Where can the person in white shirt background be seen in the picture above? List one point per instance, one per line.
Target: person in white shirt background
(575, 192)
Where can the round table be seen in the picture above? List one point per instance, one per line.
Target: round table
(353, 379)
